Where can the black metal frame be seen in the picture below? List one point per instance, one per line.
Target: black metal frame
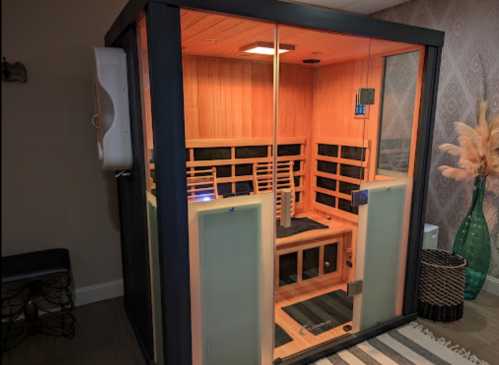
(163, 25)
(292, 14)
(132, 208)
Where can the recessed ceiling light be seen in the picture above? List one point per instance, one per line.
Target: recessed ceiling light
(266, 48)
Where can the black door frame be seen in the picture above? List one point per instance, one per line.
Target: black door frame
(165, 63)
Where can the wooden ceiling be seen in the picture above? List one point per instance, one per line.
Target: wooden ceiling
(216, 35)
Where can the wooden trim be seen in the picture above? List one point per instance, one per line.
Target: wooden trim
(309, 284)
(337, 177)
(333, 193)
(344, 161)
(342, 141)
(230, 142)
(408, 49)
(280, 181)
(242, 161)
(363, 143)
(201, 181)
(233, 161)
(353, 218)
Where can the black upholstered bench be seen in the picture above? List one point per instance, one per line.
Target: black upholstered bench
(37, 296)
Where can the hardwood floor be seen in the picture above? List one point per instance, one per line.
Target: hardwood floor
(477, 331)
(103, 336)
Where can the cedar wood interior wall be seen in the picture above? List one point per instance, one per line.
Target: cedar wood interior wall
(230, 98)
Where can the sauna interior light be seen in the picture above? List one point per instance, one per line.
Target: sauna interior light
(266, 48)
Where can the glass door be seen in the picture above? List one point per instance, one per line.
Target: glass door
(335, 98)
(229, 93)
(386, 197)
(322, 156)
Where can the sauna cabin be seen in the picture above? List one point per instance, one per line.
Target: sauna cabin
(294, 163)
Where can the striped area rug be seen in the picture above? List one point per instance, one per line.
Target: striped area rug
(409, 345)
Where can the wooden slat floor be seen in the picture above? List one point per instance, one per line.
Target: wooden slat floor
(103, 336)
(477, 331)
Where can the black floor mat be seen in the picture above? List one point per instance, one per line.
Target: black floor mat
(322, 313)
(280, 336)
(298, 225)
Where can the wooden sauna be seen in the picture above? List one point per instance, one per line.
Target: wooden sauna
(284, 154)
(327, 145)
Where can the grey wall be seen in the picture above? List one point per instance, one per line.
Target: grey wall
(53, 192)
(472, 29)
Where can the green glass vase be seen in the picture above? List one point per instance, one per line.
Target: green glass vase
(473, 242)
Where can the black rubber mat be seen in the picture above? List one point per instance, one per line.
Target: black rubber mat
(298, 225)
(322, 313)
(280, 336)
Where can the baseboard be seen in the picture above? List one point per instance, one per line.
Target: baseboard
(96, 293)
(492, 285)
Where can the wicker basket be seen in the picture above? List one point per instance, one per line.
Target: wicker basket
(441, 286)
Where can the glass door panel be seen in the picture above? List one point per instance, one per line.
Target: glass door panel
(322, 157)
(396, 76)
(330, 102)
(229, 113)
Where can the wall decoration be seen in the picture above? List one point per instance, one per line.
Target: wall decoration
(14, 72)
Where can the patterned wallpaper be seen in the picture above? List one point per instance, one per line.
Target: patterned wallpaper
(471, 32)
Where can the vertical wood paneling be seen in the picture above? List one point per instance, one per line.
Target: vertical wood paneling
(295, 98)
(228, 98)
(191, 109)
(262, 99)
(335, 87)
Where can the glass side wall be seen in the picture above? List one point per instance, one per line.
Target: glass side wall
(400, 84)
(150, 188)
(396, 140)
(229, 88)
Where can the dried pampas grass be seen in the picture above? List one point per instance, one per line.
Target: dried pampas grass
(478, 149)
